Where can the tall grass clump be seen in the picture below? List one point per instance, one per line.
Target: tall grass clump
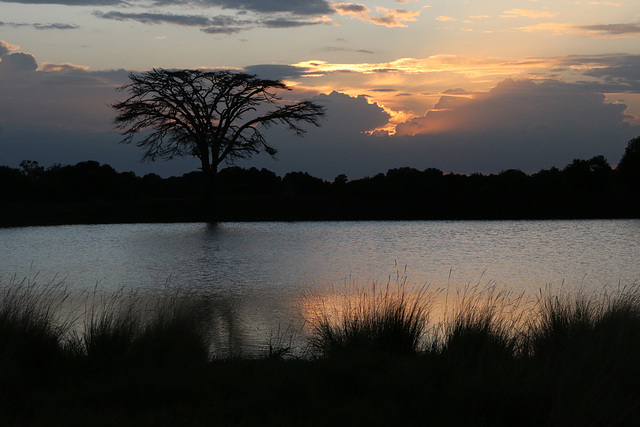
(483, 326)
(567, 329)
(127, 328)
(587, 350)
(30, 337)
(373, 322)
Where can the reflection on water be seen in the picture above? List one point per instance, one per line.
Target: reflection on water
(258, 273)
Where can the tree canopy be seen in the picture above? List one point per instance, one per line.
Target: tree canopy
(216, 116)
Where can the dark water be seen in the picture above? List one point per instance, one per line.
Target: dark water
(267, 274)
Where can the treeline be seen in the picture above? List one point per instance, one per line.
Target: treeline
(90, 192)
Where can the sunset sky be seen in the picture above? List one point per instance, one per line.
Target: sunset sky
(463, 86)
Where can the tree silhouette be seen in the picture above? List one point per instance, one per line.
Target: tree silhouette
(215, 116)
(629, 166)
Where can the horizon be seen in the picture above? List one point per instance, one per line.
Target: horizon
(461, 87)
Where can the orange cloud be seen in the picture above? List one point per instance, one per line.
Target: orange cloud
(470, 66)
(526, 13)
(553, 27)
(387, 17)
(6, 47)
(49, 67)
(445, 18)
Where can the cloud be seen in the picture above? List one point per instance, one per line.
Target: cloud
(275, 71)
(526, 13)
(6, 47)
(55, 26)
(49, 67)
(18, 62)
(517, 104)
(298, 7)
(38, 26)
(220, 24)
(344, 49)
(518, 124)
(613, 29)
(387, 17)
(445, 19)
(64, 96)
(60, 113)
(69, 2)
(464, 65)
(618, 71)
(164, 18)
(286, 23)
(599, 31)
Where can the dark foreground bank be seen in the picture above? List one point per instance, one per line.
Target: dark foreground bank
(568, 361)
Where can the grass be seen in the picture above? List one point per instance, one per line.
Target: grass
(29, 337)
(388, 321)
(124, 328)
(484, 326)
(377, 358)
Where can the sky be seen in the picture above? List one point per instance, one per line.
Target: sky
(462, 86)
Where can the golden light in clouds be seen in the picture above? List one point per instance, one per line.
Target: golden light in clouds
(470, 66)
(386, 17)
(526, 13)
(48, 67)
(7, 47)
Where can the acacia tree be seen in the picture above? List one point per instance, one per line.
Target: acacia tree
(216, 116)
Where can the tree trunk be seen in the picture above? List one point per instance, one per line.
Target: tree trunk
(211, 193)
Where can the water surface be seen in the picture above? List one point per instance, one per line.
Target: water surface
(262, 272)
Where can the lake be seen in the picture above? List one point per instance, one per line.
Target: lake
(265, 276)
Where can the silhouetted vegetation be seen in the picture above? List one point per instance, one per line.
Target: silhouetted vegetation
(568, 360)
(89, 192)
(215, 116)
(375, 322)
